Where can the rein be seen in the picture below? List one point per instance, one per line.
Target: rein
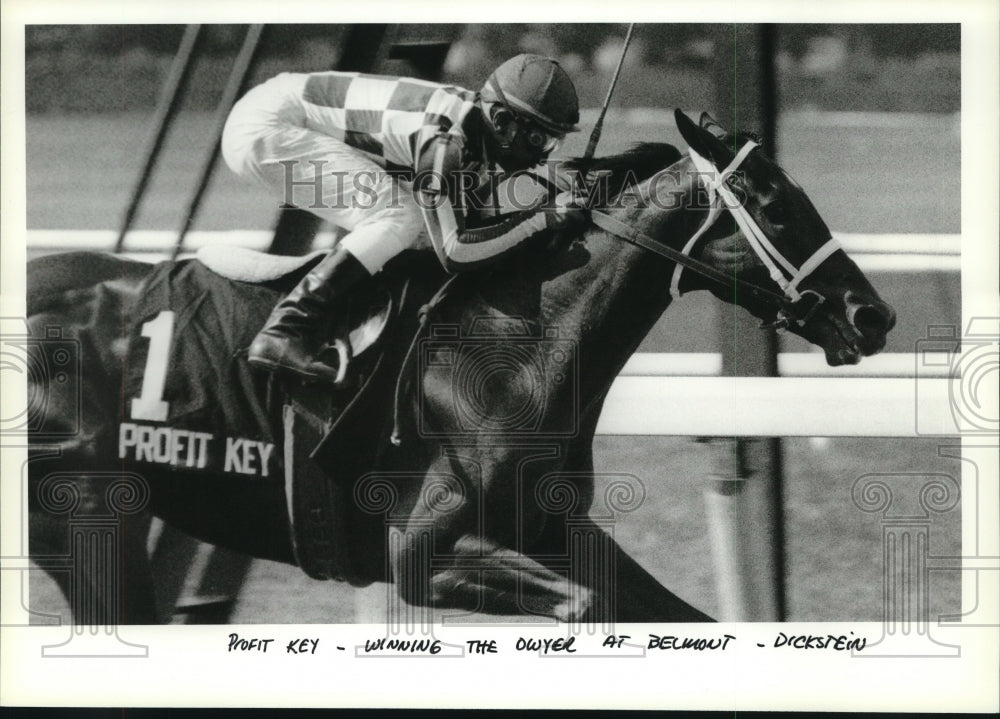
(792, 304)
(631, 235)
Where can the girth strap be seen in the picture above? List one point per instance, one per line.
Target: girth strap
(405, 378)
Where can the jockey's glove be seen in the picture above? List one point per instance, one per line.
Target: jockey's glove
(567, 211)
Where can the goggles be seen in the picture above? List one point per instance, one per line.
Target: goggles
(539, 138)
(536, 136)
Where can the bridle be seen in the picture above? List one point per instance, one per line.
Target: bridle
(792, 305)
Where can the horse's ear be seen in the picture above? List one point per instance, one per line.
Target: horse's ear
(703, 141)
(709, 123)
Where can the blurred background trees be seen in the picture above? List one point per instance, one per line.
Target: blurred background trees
(899, 67)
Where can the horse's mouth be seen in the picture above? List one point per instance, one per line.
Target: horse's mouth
(851, 330)
(850, 346)
(848, 354)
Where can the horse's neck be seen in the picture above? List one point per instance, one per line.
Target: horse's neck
(607, 319)
(599, 292)
(613, 301)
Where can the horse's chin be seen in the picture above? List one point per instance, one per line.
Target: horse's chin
(843, 345)
(839, 356)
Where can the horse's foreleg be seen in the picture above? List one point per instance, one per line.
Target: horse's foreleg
(621, 590)
(460, 546)
(594, 580)
(483, 576)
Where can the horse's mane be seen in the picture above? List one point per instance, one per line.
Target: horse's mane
(638, 163)
(621, 171)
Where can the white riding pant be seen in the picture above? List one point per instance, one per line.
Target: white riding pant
(266, 139)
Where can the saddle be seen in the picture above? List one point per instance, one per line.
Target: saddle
(332, 432)
(245, 265)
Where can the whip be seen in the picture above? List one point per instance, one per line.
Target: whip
(595, 134)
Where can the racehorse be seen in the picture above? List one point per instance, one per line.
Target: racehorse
(481, 502)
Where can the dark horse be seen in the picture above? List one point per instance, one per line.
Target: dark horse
(484, 505)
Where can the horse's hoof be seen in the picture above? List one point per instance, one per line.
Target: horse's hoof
(577, 607)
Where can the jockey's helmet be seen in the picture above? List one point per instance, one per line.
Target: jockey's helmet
(535, 87)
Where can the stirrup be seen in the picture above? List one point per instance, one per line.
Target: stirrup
(344, 357)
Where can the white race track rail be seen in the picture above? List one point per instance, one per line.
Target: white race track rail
(780, 407)
(873, 253)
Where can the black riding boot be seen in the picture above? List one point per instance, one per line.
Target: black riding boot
(293, 332)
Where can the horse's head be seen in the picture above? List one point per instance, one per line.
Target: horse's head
(779, 244)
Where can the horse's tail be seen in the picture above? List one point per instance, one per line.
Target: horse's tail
(50, 277)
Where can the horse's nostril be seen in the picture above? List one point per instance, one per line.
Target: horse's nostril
(873, 319)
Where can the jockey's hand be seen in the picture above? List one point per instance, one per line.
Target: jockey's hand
(567, 211)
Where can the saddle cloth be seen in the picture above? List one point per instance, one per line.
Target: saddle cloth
(333, 435)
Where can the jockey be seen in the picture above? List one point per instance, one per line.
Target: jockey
(326, 141)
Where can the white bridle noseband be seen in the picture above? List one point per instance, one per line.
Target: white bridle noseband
(783, 272)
